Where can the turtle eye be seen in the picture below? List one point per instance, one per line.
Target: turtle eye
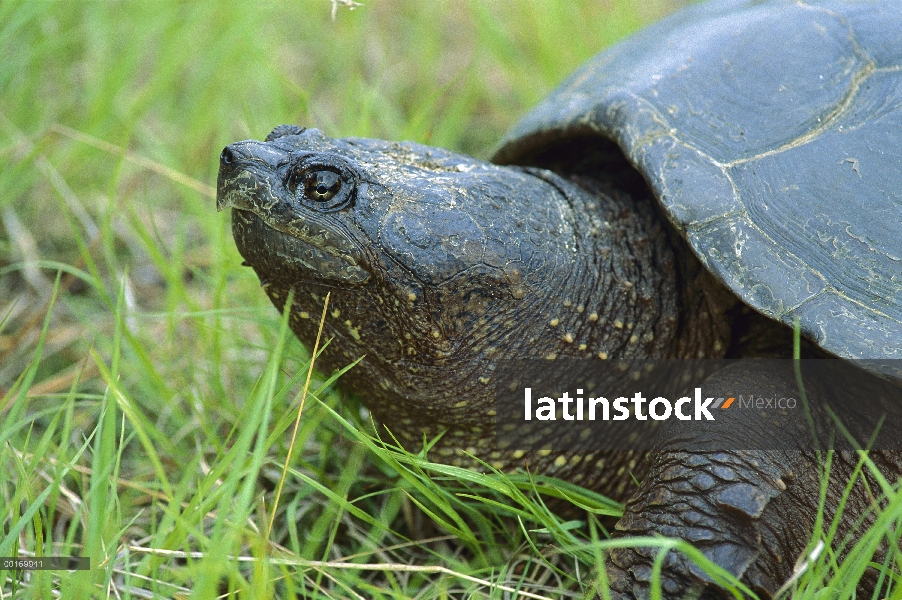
(321, 186)
(323, 182)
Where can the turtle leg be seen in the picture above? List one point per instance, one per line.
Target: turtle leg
(751, 511)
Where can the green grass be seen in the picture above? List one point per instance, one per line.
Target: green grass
(148, 390)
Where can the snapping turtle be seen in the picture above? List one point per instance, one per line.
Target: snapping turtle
(738, 155)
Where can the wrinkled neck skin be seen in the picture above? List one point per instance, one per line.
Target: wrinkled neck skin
(467, 263)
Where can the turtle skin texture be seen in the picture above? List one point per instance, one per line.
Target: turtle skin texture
(685, 195)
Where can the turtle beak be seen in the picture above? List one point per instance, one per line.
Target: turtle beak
(244, 162)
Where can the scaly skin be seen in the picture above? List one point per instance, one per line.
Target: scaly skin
(438, 264)
(750, 511)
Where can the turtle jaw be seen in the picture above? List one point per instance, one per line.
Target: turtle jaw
(273, 253)
(273, 233)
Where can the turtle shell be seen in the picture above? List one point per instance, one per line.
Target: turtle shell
(771, 134)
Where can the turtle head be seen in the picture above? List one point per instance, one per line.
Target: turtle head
(291, 210)
(437, 263)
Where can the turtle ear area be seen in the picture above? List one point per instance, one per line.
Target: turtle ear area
(283, 130)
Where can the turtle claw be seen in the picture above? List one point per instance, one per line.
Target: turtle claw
(749, 512)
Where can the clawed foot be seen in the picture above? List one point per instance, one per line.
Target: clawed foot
(751, 512)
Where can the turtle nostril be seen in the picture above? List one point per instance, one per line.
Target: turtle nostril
(227, 157)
